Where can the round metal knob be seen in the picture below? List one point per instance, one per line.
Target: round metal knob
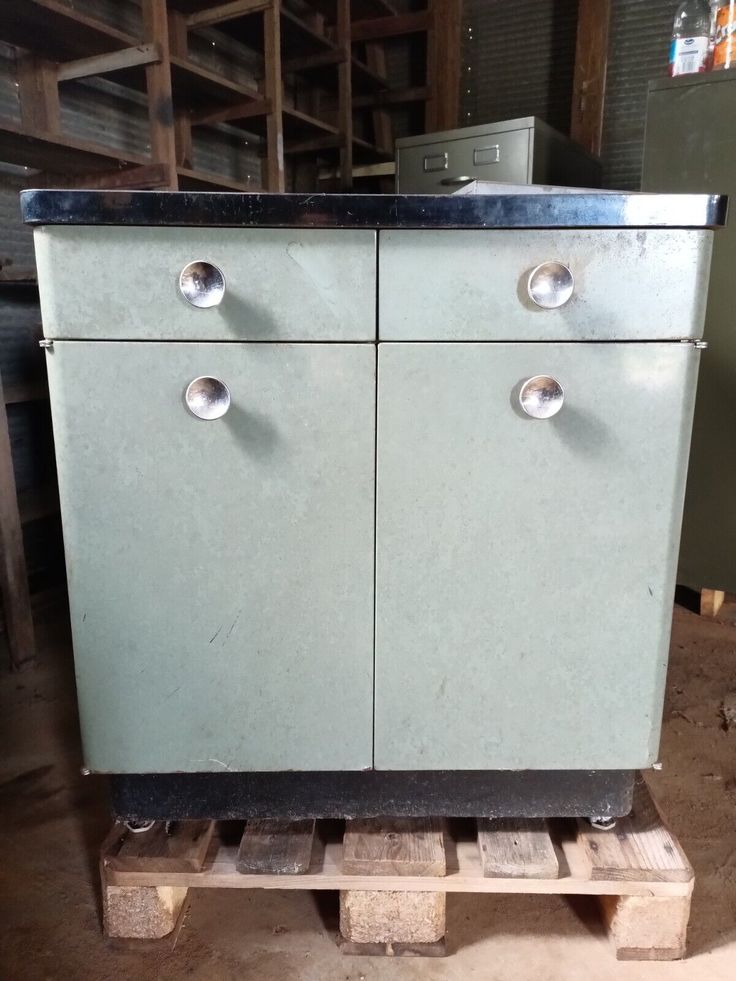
(541, 397)
(207, 397)
(550, 285)
(202, 284)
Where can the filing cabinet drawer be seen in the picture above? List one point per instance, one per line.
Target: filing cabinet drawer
(438, 168)
(497, 519)
(260, 284)
(589, 284)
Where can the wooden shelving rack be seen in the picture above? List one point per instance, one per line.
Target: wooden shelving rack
(321, 69)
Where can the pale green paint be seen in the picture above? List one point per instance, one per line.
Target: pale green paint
(220, 573)
(471, 285)
(525, 568)
(281, 284)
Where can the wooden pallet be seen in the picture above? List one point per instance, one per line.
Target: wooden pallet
(394, 874)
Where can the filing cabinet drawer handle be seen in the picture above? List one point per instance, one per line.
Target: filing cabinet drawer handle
(207, 397)
(456, 181)
(541, 397)
(202, 284)
(550, 285)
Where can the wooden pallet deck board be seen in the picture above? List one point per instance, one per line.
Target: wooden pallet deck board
(517, 849)
(271, 847)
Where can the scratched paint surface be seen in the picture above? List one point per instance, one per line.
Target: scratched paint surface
(220, 573)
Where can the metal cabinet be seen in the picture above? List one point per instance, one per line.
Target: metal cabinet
(335, 503)
(689, 146)
(517, 151)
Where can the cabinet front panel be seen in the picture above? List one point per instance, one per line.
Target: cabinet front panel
(220, 284)
(525, 566)
(475, 285)
(220, 570)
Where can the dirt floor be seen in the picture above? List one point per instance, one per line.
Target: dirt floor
(53, 820)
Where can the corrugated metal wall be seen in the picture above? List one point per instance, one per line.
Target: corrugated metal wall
(518, 60)
(638, 52)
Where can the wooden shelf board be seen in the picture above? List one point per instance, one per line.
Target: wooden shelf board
(50, 152)
(195, 180)
(31, 391)
(54, 30)
(359, 9)
(298, 39)
(297, 125)
(198, 86)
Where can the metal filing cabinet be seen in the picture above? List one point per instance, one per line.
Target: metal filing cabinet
(338, 481)
(516, 151)
(689, 146)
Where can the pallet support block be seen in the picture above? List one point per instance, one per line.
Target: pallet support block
(142, 912)
(393, 922)
(647, 928)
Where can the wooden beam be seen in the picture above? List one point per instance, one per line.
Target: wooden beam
(589, 84)
(443, 65)
(309, 146)
(382, 27)
(711, 601)
(226, 11)
(345, 94)
(391, 97)
(274, 92)
(242, 110)
(158, 86)
(141, 54)
(145, 176)
(312, 61)
(382, 123)
(13, 572)
(178, 35)
(38, 92)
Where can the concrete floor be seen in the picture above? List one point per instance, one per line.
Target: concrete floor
(53, 821)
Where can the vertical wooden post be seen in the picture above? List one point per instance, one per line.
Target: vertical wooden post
(345, 94)
(443, 65)
(383, 130)
(273, 90)
(13, 573)
(158, 85)
(38, 91)
(179, 46)
(589, 84)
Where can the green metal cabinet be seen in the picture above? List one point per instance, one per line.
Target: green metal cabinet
(690, 145)
(396, 498)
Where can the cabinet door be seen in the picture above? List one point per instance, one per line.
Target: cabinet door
(525, 566)
(221, 570)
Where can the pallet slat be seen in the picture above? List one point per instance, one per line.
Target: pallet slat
(641, 848)
(517, 849)
(181, 849)
(276, 847)
(394, 846)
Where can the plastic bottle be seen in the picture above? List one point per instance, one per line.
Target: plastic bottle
(690, 38)
(724, 50)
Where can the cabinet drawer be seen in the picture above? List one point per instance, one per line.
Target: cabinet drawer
(122, 283)
(435, 168)
(474, 285)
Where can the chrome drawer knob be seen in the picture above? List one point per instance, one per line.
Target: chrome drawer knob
(202, 284)
(550, 285)
(207, 397)
(541, 397)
